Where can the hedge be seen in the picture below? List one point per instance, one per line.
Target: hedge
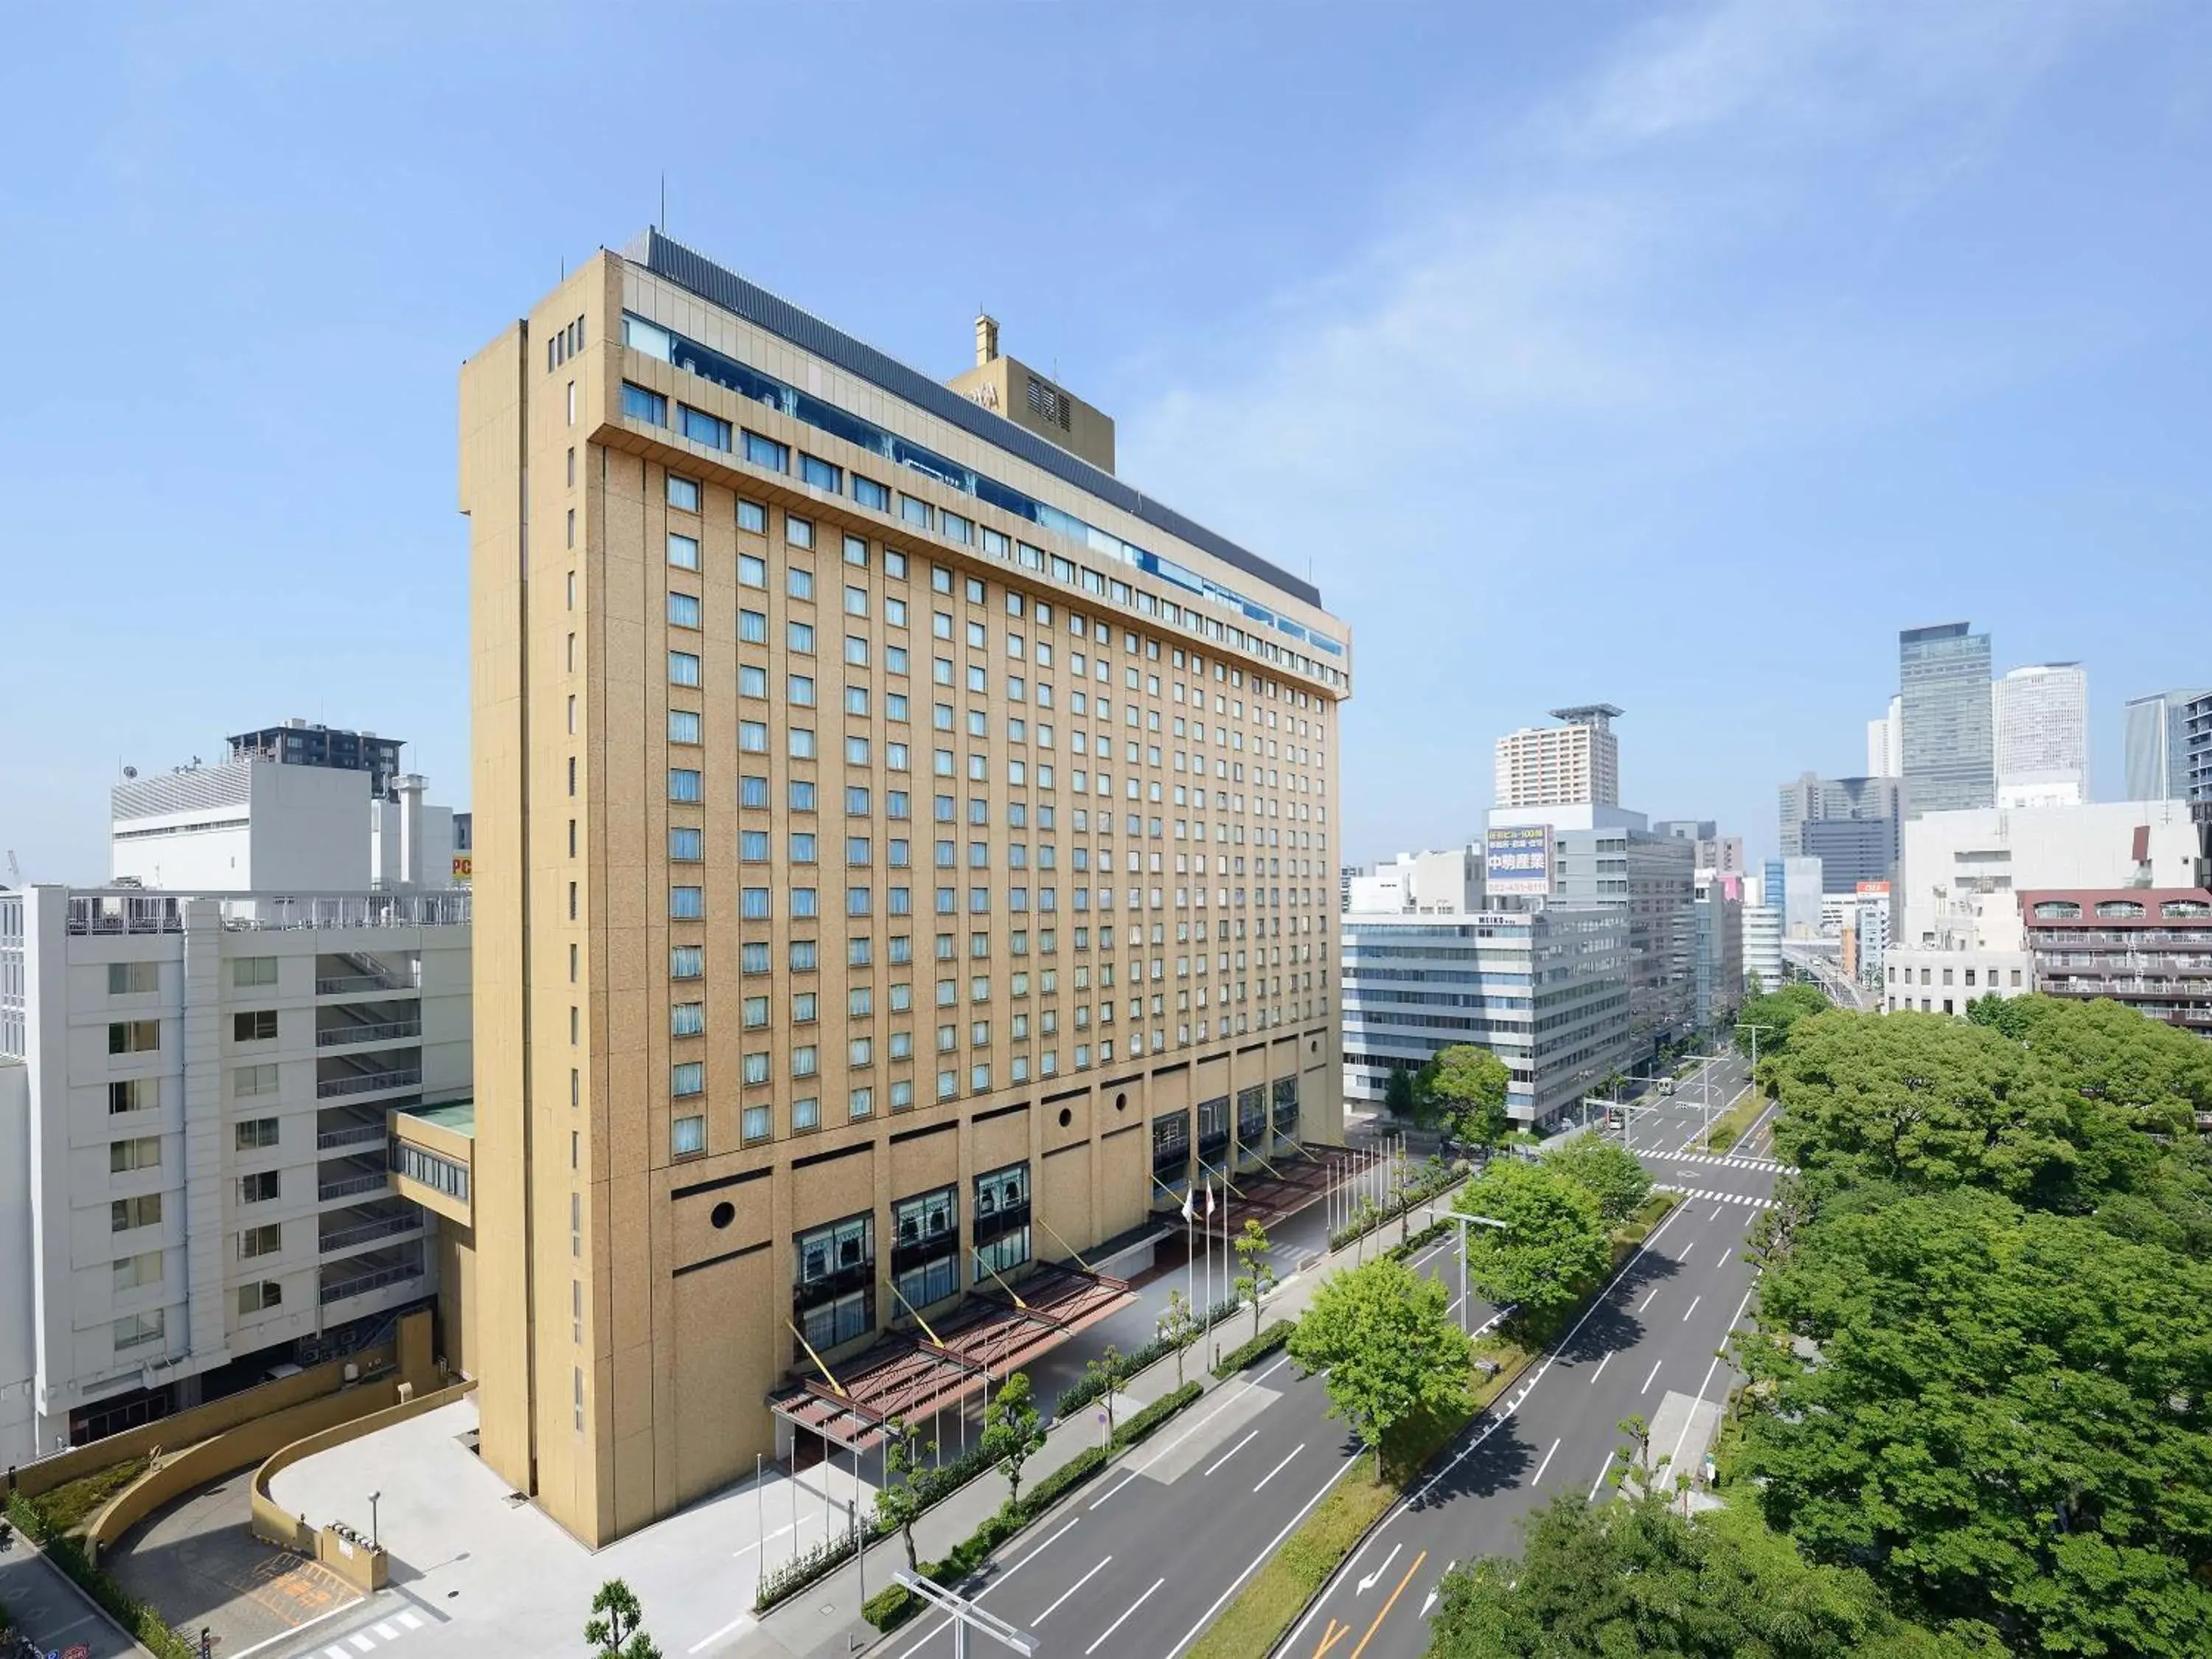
(1258, 1348)
(1129, 1433)
(141, 1618)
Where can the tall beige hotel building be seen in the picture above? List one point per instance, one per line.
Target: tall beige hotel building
(903, 862)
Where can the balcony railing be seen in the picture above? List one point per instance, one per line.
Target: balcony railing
(351, 1186)
(361, 1284)
(362, 1083)
(386, 1226)
(390, 1031)
(358, 1134)
(350, 984)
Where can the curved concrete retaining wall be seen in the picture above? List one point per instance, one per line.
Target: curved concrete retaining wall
(296, 1532)
(242, 1448)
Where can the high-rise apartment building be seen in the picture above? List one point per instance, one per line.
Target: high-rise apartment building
(906, 847)
(301, 743)
(197, 1094)
(2196, 752)
(1886, 742)
(2039, 721)
(1944, 709)
(1574, 764)
(1722, 854)
(2155, 742)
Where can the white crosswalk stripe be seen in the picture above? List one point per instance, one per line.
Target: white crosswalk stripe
(1713, 1197)
(1732, 1163)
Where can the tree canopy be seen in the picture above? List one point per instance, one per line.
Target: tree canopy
(1778, 1012)
(1384, 1335)
(1629, 1578)
(1463, 1090)
(1984, 1365)
(1607, 1171)
(1554, 1245)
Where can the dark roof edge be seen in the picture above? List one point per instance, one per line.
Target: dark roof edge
(721, 286)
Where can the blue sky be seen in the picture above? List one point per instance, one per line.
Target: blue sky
(1670, 355)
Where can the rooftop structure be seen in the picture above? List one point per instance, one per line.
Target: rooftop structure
(1577, 763)
(299, 743)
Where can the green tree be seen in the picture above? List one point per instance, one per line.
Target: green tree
(1384, 1336)
(1608, 1172)
(1463, 1090)
(1178, 1325)
(1011, 1434)
(615, 1628)
(1554, 1245)
(1398, 1092)
(1258, 1278)
(1107, 1373)
(1616, 1580)
(1776, 1013)
(899, 1501)
(2005, 1415)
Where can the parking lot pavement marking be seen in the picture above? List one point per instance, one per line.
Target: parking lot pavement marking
(387, 1633)
(410, 1621)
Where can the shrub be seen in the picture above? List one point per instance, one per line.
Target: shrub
(1257, 1349)
(888, 1610)
(141, 1618)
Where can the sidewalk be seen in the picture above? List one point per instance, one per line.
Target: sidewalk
(824, 1619)
(50, 1608)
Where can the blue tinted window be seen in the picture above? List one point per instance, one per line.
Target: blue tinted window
(640, 404)
(683, 847)
(752, 792)
(766, 452)
(868, 493)
(704, 429)
(821, 474)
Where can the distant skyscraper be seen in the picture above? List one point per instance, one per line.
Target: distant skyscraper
(1885, 743)
(2040, 718)
(1850, 824)
(2157, 744)
(1575, 763)
(1944, 708)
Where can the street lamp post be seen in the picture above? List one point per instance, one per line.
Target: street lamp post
(372, 1498)
(1464, 1222)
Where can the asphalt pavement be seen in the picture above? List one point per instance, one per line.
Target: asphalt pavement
(1137, 1569)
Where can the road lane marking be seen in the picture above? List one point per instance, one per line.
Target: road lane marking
(1546, 1464)
(1375, 1578)
(1603, 1469)
(1233, 1451)
(734, 1625)
(1103, 1496)
(1646, 1389)
(1602, 1364)
(1271, 1371)
(386, 1631)
(1716, 1215)
(1330, 1638)
(410, 1621)
(1692, 1308)
(1281, 1467)
(758, 1542)
(1069, 1591)
(1117, 1623)
(1648, 1300)
(1222, 1600)
(934, 1631)
(1686, 1248)
(1388, 1605)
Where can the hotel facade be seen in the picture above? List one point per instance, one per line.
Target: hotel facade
(902, 865)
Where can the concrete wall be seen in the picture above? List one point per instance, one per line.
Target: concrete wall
(271, 1524)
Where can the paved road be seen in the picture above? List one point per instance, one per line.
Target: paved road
(1657, 1335)
(52, 1611)
(1140, 1567)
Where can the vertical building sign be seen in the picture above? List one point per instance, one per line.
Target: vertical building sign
(1517, 861)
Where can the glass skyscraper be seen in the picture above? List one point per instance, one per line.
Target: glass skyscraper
(1943, 677)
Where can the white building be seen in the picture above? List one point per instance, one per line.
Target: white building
(1956, 932)
(1762, 945)
(1546, 991)
(194, 1093)
(2040, 716)
(1886, 742)
(1575, 763)
(1448, 882)
(255, 825)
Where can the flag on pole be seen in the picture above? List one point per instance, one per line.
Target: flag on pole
(1188, 1207)
(1209, 1197)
